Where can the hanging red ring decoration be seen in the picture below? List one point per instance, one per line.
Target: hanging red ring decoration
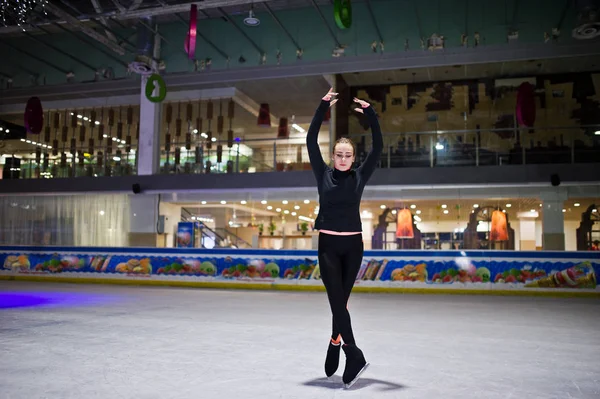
(34, 116)
(526, 105)
(190, 39)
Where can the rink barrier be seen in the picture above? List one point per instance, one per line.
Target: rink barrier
(547, 273)
(287, 287)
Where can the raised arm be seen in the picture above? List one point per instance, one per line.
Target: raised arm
(367, 168)
(314, 152)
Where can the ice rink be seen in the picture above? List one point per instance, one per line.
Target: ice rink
(100, 341)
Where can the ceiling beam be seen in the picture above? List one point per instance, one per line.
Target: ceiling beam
(91, 44)
(104, 21)
(85, 29)
(136, 13)
(261, 52)
(35, 57)
(60, 51)
(333, 36)
(210, 43)
(278, 22)
(251, 106)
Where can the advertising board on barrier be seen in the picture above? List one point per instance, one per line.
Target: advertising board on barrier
(408, 269)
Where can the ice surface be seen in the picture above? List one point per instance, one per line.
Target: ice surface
(98, 341)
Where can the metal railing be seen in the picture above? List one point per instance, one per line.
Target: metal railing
(477, 147)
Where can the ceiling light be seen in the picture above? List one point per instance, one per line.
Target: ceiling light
(306, 201)
(297, 207)
(564, 210)
(223, 202)
(394, 212)
(475, 205)
(597, 133)
(383, 206)
(286, 211)
(298, 128)
(413, 206)
(203, 202)
(446, 211)
(102, 213)
(418, 212)
(577, 204)
(533, 211)
(251, 20)
(444, 206)
(508, 205)
(284, 202)
(243, 202)
(594, 210)
(269, 207)
(293, 213)
(278, 209)
(264, 202)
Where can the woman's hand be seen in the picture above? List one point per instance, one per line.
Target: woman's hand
(362, 103)
(328, 97)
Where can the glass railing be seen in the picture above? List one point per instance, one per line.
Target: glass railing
(79, 163)
(401, 150)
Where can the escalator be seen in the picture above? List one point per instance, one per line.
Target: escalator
(210, 238)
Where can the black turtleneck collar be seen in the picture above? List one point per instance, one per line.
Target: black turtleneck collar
(340, 174)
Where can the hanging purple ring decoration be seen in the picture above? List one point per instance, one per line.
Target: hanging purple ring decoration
(34, 116)
(526, 105)
(190, 39)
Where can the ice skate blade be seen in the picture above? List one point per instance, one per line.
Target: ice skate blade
(348, 385)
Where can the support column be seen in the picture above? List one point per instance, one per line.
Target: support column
(553, 221)
(331, 80)
(527, 230)
(342, 120)
(148, 153)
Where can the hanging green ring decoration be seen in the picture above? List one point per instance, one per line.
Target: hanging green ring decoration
(342, 11)
(162, 88)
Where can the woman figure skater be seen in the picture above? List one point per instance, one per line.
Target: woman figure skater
(340, 230)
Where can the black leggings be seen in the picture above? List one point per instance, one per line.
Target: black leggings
(340, 258)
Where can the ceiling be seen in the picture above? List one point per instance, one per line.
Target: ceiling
(124, 13)
(427, 210)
